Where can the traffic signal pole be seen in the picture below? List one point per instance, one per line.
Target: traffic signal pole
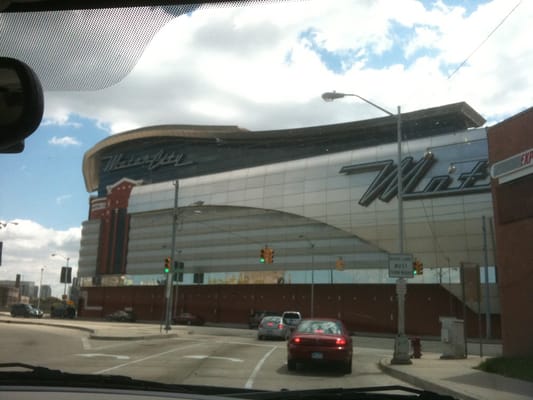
(168, 293)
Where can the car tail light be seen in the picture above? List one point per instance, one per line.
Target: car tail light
(340, 341)
(297, 340)
(280, 326)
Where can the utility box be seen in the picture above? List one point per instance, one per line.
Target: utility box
(452, 338)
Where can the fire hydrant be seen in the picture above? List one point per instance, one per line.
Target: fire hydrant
(417, 347)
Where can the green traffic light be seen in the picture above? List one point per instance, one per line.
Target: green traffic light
(262, 260)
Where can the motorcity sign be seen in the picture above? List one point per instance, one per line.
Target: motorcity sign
(149, 161)
(385, 184)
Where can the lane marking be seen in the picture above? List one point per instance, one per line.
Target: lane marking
(90, 355)
(146, 358)
(282, 344)
(250, 381)
(203, 357)
(85, 343)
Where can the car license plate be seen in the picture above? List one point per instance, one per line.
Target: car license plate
(317, 356)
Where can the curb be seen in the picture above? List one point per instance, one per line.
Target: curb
(92, 333)
(80, 328)
(422, 383)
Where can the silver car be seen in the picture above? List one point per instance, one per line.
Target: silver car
(272, 327)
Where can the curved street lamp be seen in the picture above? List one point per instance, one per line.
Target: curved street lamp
(401, 344)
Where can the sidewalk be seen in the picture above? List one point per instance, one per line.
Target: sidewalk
(457, 378)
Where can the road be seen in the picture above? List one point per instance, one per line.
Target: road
(199, 355)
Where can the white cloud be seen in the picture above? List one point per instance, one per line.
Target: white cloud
(64, 141)
(59, 117)
(60, 200)
(28, 246)
(229, 65)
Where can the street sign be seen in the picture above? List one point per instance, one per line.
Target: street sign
(66, 275)
(400, 265)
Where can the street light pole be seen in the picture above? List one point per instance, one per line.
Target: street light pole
(170, 274)
(312, 247)
(40, 292)
(401, 343)
(65, 291)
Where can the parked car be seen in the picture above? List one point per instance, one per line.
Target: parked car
(320, 341)
(26, 311)
(188, 319)
(272, 327)
(63, 310)
(256, 317)
(121, 316)
(291, 319)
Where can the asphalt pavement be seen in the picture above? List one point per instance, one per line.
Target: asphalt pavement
(455, 377)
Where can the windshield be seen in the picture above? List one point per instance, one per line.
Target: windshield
(199, 163)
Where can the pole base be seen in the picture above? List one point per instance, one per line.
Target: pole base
(401, 351)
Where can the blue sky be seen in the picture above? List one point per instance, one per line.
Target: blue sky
(260, 68)
(48, 175)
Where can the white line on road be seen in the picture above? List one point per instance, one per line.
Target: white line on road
(250, 381)
(118, 357)
(146, 358)
(203, 357)
(86, 344)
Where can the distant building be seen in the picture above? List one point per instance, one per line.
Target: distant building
(27, 288)
(8, 296)
(46, 291)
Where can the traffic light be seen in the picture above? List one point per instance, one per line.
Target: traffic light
(167, 265)
(262, 256)
(418, 267)
(177, 275)
(269, 255)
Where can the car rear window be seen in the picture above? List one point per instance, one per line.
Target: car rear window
(272, 319)
(324, 327)
(291, 315)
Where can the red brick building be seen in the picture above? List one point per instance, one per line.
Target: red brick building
(511, 156)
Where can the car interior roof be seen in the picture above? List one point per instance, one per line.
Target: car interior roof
(52, 5)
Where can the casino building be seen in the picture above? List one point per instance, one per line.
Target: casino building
(324, 198)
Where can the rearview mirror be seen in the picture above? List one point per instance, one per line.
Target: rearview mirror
(21, 104)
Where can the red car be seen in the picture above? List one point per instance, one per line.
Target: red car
(320, 340)
(188, 319)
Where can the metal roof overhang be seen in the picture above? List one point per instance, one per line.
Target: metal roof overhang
(416, 124)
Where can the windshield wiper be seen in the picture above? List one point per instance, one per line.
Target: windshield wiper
(42, 376)
(365, 393)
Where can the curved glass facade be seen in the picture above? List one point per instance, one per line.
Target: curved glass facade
(313, 212)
